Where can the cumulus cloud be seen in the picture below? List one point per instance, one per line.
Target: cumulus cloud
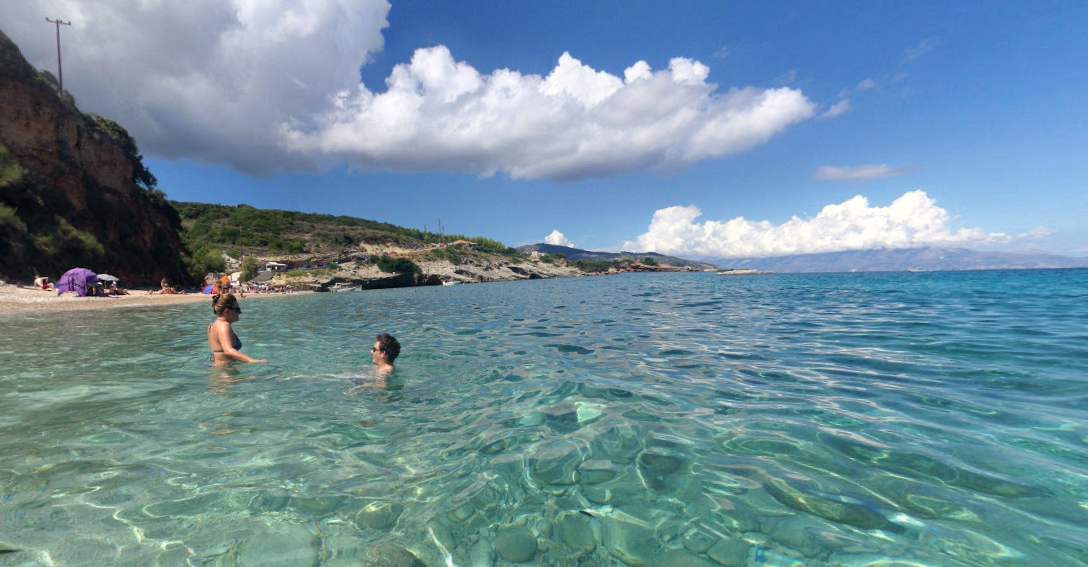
(266, 85)
(913, 219)
(856, 172)
(205, 79)
(837, 109)
(441, 114)
(557, 238)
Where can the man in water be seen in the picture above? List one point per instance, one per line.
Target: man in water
(384, 352)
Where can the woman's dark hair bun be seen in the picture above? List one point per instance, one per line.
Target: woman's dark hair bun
(222, 302)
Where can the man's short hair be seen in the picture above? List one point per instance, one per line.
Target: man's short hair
(389, 345)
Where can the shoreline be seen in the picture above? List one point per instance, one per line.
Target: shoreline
(16, 300)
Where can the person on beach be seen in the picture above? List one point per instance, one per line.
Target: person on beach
(165, 288)
(386, 349)
(222, 340)
(43, 283)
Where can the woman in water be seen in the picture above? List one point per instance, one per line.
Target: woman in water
(222, 341)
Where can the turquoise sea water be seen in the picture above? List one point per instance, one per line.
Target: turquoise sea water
(645, 419)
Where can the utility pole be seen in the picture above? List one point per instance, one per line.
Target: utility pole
(60, 70)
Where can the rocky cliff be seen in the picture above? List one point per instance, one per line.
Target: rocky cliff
(73, 188)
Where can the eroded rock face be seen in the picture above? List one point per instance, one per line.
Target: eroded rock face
(77, 187)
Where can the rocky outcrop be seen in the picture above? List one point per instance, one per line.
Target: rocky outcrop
(73, 188)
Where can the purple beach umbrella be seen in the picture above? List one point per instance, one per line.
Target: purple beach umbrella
(77, 280)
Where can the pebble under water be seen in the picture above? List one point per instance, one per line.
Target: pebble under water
(880, 420)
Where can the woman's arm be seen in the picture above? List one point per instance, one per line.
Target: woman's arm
(226, 342)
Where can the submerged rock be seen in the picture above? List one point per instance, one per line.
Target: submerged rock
(562, 417)
(597, 495)
(840, 511)
(553, 463)
(318, 506)
(379, 515)
(681, 558)
(797, 532)
(632, 543)
(619, 443)
(596, 471)
(289, 546)
(731, 552)
(698, 540)
(661, 471)
(516, 544)
(588, 412)
(575, 530)
(390, 555)
(481, 554)
(461, 513)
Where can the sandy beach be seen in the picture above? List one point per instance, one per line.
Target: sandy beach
(16, 300)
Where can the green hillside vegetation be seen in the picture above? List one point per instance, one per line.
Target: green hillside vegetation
(275, 232)
(34, 224)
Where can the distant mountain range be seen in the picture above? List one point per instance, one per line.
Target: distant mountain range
(576, 254)
(927, 259)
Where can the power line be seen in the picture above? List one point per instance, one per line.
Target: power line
(60, 70)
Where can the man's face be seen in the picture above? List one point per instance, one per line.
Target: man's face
(376, 354)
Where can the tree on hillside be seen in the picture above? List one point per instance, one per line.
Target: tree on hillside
(249, 269)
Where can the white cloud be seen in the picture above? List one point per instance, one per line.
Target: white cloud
(268, 85)
(1038, 233)
(856, 172)
(204, 79)
(837, 109)
(557, 238)
(866, 85)
(921, 48)
(441, 114)
(913, 219)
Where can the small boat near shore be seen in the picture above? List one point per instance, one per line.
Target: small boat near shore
(344, 286)
(450, 282)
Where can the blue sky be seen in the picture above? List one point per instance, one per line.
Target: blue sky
(978, 105)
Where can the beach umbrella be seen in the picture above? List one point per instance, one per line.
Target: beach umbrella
(108, 278)
(78, 281)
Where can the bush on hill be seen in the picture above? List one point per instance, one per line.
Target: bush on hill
(402, 266)
(594, 266)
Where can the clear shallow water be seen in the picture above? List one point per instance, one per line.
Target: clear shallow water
(656, 419)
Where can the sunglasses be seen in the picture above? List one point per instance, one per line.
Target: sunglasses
(372, 349)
